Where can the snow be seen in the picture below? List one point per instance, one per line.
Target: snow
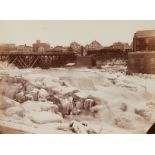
(44, 117)
(70, 64)
(38, 106)
(60, 100)
(6, 102)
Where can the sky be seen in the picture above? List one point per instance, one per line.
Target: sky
(61, 32)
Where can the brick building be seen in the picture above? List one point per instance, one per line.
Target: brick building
(24, 48)
(7, 47)
(40, 47)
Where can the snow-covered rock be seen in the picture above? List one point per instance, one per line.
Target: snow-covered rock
(6, 102)
(129, 121)
(105, 97)
(39, 106)
(42, 95)
(44, 117)
(18, 110)
(67, 106)
(10, 90)
(32, 94)
(77, 127)
(81, 128)
(145, 113)
(79, 105)
(88, 103)
(20, 97)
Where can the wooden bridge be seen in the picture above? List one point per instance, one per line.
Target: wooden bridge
(108, 53)
(57, 58)
(43, 60)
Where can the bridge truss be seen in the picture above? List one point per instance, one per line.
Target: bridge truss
(43, 60)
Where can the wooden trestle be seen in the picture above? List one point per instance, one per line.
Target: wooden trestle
(43, 60)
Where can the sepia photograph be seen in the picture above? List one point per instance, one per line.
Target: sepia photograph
(77, 76)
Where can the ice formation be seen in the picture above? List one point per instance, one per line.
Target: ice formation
(77, 100)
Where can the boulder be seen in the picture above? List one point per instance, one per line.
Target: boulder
(44, 117)
(67, 106)
(78, 105)
(29, 97)
(77, 127)
(32, 94)
(10, 90)
(145, 113)
(6, 102)
(81, 128)
(20, 97)
(42, 95)
(88, 103)
(124, 107)
(18, 110)
(39, 106)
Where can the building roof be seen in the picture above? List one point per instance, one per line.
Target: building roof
(145, 33)
(94, 45)
(24, 46)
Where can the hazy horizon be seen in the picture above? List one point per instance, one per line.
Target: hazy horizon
(60, 32)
